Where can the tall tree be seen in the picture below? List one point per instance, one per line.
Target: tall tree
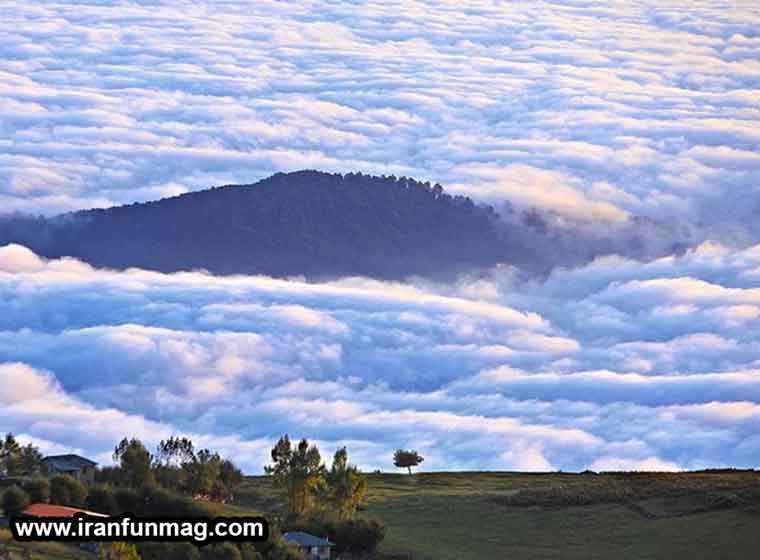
(67, 491)
(404, 459)
(299, 470)
(9, 455)
(175, 451)
(202, 473)
(16, 460)
(30, 459)
(230, 477)
(135, 462)
(346, 486)
(172, 456)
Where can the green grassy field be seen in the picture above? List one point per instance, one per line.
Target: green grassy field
(461, 516)
(442, 516)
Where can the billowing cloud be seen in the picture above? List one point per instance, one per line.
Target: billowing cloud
(616, 128)
(606, 366)
(598, 111)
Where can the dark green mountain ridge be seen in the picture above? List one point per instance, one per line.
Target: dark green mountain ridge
(307, 223)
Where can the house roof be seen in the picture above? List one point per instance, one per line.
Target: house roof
(68, 462)
(50, 510)
(305, 539)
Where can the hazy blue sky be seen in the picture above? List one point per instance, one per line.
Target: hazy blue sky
(594, 112)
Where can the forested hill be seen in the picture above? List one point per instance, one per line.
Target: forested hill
(304, 223)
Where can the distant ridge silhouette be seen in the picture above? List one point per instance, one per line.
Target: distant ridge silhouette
(309, 223)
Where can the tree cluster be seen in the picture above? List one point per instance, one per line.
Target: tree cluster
(324, 501)
(303, 223)
(177, 481)
(310, 485)
(60, 490)
(176, 466)
(18, 460)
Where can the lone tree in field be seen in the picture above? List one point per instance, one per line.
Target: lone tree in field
(407, 459)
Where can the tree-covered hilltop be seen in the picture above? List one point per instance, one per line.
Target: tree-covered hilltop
(303, 223)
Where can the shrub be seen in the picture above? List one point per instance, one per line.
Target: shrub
(15, 500)
(169, 551)
(109, 475)
(128, 500)
(248, 552)
(67, 491)
(359, 537)
(161, 503)
(154, 501)
(221, 551)
(277, 550)
(187, 551)
(38, 489)
(118, 551)
(101, 499)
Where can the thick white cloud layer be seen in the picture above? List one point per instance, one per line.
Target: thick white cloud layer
(614, 365)
(595, 110)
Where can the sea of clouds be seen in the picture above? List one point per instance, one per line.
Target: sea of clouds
(614, 365)
(597, 114)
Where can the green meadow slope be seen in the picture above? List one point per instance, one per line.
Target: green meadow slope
(460, 516)
(484, 516)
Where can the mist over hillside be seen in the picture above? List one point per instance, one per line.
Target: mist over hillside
(323, 225)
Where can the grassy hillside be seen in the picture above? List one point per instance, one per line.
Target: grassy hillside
(442, 516)
(472, 515)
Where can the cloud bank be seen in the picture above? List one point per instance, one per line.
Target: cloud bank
(613, 365)
(596, 120)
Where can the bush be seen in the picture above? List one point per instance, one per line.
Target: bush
(276, 549)
(187, 551)
(15, 500)
(152, 501)
(161, 503)
(221, 551)
(359, 537)
(38, 489)
(67, 491)
(248, 552)
(109, 475)
(101, 499)
(118, 551)
(169, 551)
(128, 500)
